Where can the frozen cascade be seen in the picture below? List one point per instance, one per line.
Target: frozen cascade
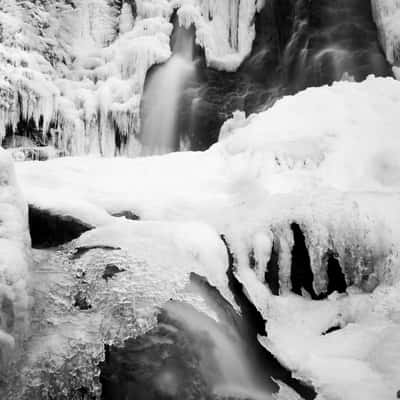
(161, 97)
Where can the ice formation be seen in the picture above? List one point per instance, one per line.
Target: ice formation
(78, 72)
(14, 267)
(313, 182)
(387, 15)
(78, 308)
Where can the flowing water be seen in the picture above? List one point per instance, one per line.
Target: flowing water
(298, 44)
(211, 354)
(162, 95)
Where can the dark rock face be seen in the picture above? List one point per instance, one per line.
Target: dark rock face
(127, 214)
(51, 230)
(299, 43)
(272, 271)
(110, 271)
(301, 274)
(336, 278)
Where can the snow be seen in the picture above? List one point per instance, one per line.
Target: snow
(14, 265)
(325, 158)
(183, 248)
(360, 360)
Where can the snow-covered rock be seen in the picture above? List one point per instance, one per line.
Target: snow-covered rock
(103, 288)
(14, 267)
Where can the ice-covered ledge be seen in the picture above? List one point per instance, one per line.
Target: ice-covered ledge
(14, 266)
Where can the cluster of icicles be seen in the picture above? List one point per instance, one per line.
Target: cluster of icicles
(91, 105)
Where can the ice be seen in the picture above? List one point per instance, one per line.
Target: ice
(78, 310)
(358, 359)
(325, 159)
(14, 267)
(84, 74)
(225, 29)
(386, 14)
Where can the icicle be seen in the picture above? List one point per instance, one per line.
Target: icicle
(262, 245)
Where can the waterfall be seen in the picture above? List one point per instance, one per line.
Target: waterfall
(162, 96)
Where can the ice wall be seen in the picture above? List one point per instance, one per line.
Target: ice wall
(15, 260)
(387, 18)
(225, 29)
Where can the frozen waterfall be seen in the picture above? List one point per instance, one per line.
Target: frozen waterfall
(162, 96)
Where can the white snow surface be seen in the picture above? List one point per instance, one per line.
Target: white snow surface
(14, 265)
(84, 72)
(326, 158)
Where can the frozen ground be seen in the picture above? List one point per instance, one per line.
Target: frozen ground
(326, 159)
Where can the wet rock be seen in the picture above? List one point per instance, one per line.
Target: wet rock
(111, 270)
(127, 214)
(82, 302)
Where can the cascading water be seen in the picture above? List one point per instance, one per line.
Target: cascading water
(162, 96)
(298, 44)
(191, 356)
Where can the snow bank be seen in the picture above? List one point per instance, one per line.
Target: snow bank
(326, 159)
(14, 263)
